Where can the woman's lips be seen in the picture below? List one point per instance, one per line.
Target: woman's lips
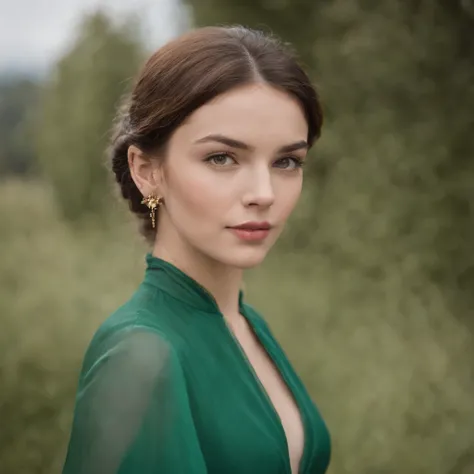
(252, 231)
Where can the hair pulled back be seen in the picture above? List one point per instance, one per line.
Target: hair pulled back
(190, 71)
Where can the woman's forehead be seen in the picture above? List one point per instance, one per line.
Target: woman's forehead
(246, 113)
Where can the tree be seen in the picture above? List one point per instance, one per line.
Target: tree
(79, 103)
(18, 102)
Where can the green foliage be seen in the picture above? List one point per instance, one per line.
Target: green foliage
(56, 286)
(78, 106)
(18, 103)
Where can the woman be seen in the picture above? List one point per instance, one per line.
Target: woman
(186, 377)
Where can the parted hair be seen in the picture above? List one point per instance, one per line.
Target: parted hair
(188, 72)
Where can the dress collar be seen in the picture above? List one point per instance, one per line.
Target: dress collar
(172, 280)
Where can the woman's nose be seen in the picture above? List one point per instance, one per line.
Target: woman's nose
(260, 190)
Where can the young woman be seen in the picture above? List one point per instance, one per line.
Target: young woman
(185, 377)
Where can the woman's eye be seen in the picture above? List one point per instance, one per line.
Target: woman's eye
(289, 163)
(220, 159)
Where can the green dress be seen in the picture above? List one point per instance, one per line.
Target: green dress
(165, 388)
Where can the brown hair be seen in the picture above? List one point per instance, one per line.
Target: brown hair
(188, 72)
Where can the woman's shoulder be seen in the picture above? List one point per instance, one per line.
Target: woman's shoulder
(148, 308)
(137, 325)
(139, 311)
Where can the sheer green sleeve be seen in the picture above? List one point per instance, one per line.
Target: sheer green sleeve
(132, 412)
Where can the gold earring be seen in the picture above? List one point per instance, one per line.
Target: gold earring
(152, 202)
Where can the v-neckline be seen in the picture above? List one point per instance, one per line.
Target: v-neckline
(263, 391)
(185, 288)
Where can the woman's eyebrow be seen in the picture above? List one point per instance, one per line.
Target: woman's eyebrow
(233, 143)
(302, 144)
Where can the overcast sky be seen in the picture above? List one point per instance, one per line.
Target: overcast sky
(34, 33)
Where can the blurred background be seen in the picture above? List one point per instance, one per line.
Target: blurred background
(374, 274)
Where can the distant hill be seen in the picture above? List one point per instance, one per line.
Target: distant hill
(15, 72)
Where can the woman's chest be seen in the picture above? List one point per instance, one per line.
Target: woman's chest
(278, 392)
(249, 411)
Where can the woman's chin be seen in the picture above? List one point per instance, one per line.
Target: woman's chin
(248, 258)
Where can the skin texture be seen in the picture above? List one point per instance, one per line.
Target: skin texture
(208, 186)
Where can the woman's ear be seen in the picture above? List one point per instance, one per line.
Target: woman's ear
(144, 171)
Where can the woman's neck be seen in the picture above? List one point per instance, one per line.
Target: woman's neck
(221, 281)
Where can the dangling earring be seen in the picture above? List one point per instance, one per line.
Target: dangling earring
(152, 202)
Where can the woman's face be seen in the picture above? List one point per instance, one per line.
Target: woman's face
(236, 160)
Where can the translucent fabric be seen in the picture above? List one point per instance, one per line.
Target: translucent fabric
(166, 389)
